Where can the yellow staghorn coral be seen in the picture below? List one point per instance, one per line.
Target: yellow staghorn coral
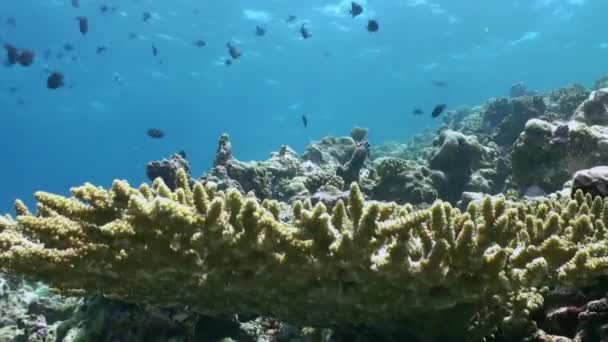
(369, 263)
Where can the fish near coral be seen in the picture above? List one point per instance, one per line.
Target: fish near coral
(439, 83)
(260, 31)
(233, 51)
(83, 24)
(146, 16)
(12, 54)
(55, 80)
(26, 58)
(355, 9)
(438, 110)
(101, 49)
(155, 133)
(200, 43)
(373, 26)
(304, 32)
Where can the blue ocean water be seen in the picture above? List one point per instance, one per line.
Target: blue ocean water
(94, 129)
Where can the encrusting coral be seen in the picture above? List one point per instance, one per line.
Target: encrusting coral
(366, 263)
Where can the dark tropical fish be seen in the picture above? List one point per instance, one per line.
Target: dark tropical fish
(304, 120)
(182, 153)
(438, 110)
(156, 133)
(417, 111)
(104, 8)
(12, 89)
(200, 43)
(326, 54)
(101, 49)
(68, 47)
(233, 51)
(75, 3)
(291, 18)
(372, 25)
(355, 9)
(259, 31)
(11, 22)
(59, 55)
(439, 84)
(55, 80)
(146, 16)
(12, 55)
(21, 102)
(304, 32)
(154, 51)
(26, 58)
(227, 62)
(83, 24)
(133, 35)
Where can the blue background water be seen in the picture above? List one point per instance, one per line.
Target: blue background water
(95, 131)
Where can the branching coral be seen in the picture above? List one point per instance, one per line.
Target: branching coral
(375, 264)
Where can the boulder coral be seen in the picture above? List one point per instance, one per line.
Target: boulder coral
(549, 154)
(482, 271)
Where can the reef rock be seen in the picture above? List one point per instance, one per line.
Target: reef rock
(564, 101)
(592, 181)
(224, 151)
(359, 134)
(505, 118)
(404, 181)
(537, 160)
(331, 151)
(329, 198)
(349, 172)
(601, 83)
(520, 89)
(548, 154)
(461, 158)
(167, 169)
(594, 110)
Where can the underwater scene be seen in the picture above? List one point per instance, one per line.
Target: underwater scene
(304, 171)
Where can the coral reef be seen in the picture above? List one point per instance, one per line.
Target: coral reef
(374, 264)
(290, 237)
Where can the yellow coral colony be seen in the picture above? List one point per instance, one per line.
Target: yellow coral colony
(374, 263)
